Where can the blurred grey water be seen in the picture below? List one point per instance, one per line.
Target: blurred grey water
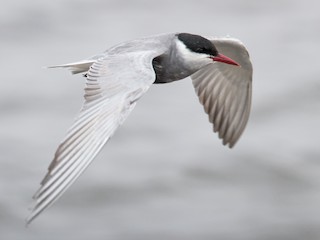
(164, 175)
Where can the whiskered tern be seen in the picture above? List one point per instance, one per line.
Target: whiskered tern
(221, 73)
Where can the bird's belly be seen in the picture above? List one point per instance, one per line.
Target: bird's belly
(168, 78)
(170, 75)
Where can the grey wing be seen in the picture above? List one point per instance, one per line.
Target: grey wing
(114, 84)
(225, 90)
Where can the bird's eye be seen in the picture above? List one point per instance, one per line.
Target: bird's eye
(203, 50)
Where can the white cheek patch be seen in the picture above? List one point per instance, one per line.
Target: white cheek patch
(187, 54)
(194, 61)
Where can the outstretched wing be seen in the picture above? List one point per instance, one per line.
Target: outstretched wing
(114, 84)
(225, 90)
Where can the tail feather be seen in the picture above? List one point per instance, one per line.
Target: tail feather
(77, 67)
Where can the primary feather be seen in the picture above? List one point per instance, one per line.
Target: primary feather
(225, 90)
(109, 98)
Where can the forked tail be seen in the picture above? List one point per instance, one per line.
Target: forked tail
(77, 67)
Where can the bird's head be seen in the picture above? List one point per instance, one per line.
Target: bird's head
(199, 51)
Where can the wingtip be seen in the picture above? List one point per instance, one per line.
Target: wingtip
(35, 211)
(231, 145)
(227, 144)
(27, 222)
(29, 218)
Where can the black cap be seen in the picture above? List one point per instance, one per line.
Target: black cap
(198, 44)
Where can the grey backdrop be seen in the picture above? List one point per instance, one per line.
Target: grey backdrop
(164, 175)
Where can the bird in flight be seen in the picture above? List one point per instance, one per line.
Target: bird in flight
(221, 73)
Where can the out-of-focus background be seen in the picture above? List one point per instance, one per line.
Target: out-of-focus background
(164, 175)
